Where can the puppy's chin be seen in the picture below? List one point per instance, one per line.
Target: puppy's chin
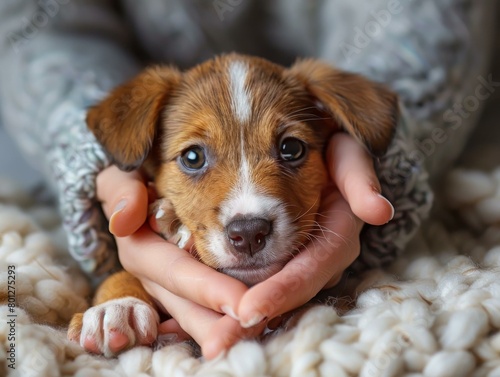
(252, 275)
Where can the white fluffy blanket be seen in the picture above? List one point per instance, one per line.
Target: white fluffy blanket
(436, 312)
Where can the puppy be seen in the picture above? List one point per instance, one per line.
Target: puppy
(235, 147)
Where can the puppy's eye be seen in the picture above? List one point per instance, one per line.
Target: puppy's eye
(292, 149)
(193, 158)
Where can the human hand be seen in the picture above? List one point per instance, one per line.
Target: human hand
(353, 200)
(196, 295)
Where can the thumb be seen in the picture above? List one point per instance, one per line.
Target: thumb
(124, 199)
(352, 170)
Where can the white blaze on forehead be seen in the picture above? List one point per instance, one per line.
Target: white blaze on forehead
(240, 99)
(245, 199)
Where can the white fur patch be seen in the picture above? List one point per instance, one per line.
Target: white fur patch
(98, 321)
(240, 98)
(216, 245)
(245, 200)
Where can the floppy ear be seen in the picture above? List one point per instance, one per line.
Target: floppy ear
(126, 122)
(365, 109)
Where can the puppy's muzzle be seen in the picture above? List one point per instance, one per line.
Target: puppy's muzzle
(248, 236)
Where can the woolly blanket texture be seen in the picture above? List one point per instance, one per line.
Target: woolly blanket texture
(435, 312)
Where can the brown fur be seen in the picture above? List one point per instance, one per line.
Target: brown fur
(126, 122)
(366, 110)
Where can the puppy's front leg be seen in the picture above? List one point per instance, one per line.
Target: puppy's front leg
(123, 315)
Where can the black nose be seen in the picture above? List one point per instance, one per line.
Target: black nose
(248, 235)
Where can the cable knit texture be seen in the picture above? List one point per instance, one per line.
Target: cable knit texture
(57, 75)
(404, 183)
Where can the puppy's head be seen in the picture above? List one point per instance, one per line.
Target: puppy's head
(235, 146)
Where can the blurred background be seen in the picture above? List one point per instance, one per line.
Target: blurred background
(483, 147)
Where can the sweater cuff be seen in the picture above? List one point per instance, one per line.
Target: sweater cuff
(75, 159)
(404, 182)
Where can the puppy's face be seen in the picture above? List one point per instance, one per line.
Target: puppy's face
(236, 145)
(242, 164)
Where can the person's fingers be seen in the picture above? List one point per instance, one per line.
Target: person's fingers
(213, 331)
(320, 263)
(124, 199)
(173, 330)
(225, 333)
(149, 257)
(351, 168)
(192, 318)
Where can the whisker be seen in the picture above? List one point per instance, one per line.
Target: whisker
(301, 110)
(300, 216)
(321, 233)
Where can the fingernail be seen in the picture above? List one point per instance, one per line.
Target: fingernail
(121, 205)
(254, 320)
(392, 207)
(226, 309)
(118, 208)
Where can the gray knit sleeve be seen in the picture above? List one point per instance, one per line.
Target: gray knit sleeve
(58, 58)
(434, 54)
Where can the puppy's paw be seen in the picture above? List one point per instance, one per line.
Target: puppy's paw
(165, 216)
(169, 224)
(114, 326)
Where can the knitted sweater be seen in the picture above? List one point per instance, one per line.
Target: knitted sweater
(59, 56)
